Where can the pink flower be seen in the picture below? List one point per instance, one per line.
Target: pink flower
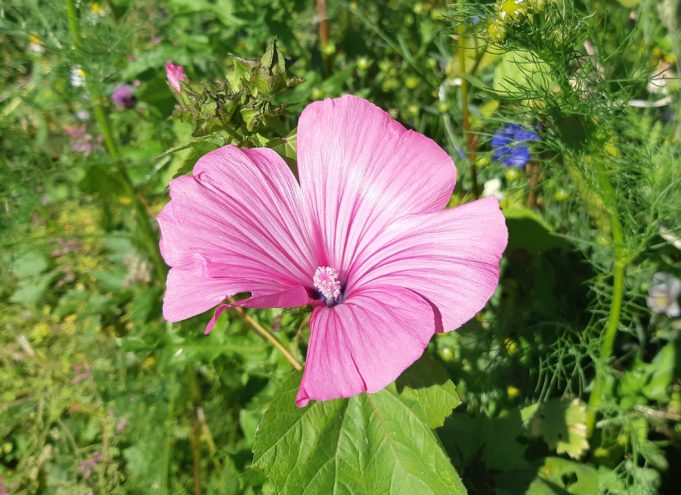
(364, 238)
(175, 74)
(123, 97)
(81, 141)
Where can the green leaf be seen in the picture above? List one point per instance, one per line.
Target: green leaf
(29, 264)
(492, 441)
(427, 384)
(372, 443)
(528, 231)
(522, 73)
(30, 291)
(662, 374)
(562, 425)
(560, 476)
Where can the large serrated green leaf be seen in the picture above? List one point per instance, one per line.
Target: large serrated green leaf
(427, 383)
(371, 444)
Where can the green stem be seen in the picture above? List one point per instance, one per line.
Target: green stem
(195, 396)
(142, 217)
(468, 137)
(608, 339)
(269, 336)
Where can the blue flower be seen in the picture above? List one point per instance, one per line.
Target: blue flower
(508, 147)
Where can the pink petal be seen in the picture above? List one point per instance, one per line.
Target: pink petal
(450, 257)
(175, 74)
(364, 343)
(188, 293)
(235, 226)
(290, 298)
(360, 170)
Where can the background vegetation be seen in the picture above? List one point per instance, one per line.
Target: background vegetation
(569, 381)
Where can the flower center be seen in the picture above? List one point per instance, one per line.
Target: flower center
(328, 285)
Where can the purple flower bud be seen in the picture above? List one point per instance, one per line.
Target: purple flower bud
(123, 97)
(175, 74)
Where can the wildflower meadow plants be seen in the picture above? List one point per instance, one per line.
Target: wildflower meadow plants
(238, 256)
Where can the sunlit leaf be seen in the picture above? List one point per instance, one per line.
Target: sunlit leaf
(371, 443)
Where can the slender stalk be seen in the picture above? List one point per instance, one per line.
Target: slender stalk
(323, 23)
(608, 339)
(533, 177)
(297, 365)
(210, 442)
(141, 213)
(468, 137)
(323, 34)
(195, 396)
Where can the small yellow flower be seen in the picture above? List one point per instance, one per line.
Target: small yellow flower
(603, 240)
(35, 44)
(446, 353)
(600, 453)
(512, 174)
(412, 82)
(95, 8)
(363, 63)
(496, 31)
(317, 93)
(512, 392)
(561, 195)
(329, 49)
(512, 9)
(443, 107)
(511, 346)
(390, 84)
(68, 324)
(40, 332)
(482, 162)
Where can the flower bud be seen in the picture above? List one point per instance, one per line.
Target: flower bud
(175, 74)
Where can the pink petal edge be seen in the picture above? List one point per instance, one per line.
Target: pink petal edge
(450, 257)
(236, 226)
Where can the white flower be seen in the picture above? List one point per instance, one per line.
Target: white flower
(663, 295)
(35, 45)
(493, 188)
(77, 76)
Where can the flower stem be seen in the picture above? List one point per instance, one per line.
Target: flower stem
(468, 137)
(195, 396)
(142, 215)
(533, 177)
(323, 33)
(608, 339)
(297, 365)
